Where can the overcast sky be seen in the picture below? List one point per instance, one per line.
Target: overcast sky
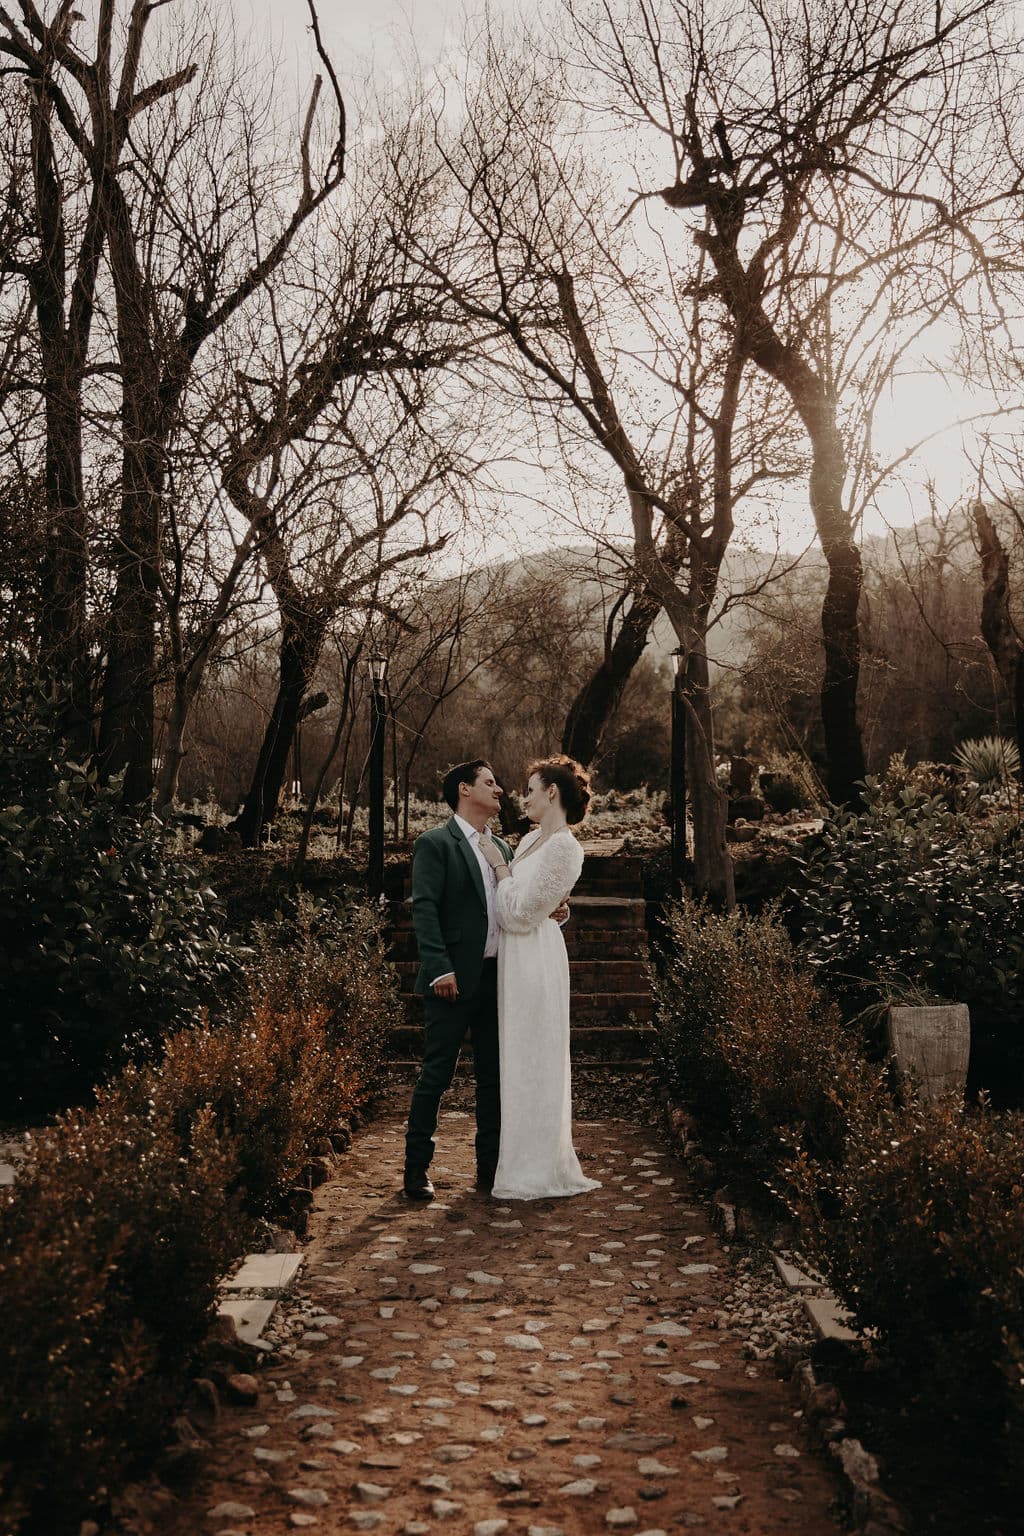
(361, 31)
(369, 39)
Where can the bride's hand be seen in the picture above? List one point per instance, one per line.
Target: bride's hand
(491, 852)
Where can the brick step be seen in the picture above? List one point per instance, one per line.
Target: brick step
(587, 912)
(613, 944)
(592, 974)
(597, 1010)
(620, 1043)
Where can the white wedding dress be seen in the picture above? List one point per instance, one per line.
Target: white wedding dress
(536, 1159)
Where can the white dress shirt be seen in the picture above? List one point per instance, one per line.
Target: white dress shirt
(490, 880)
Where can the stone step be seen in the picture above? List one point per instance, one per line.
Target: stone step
(618, 912)
(586, 975)
(618, 1043)
(596, 1010)
(601, 877)
(613, 944)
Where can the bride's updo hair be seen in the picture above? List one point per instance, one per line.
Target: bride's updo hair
(571, 780)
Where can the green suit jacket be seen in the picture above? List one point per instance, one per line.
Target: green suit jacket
(449, 908)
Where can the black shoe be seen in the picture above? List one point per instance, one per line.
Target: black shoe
(416, 1184)
(485, 1179)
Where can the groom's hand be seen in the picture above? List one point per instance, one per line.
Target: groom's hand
(446, 987)
(561, 913)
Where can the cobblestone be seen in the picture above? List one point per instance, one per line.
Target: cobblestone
(557, 1368)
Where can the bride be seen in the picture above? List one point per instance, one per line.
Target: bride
(536, 1158)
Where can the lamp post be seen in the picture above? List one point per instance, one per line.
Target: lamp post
(677, 771)
(378, 726)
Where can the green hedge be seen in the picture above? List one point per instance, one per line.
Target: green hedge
(913, 893)
(913, 1211)
(109, 942)
(126, 1214)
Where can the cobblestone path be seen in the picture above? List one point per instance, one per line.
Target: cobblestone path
(541, 1368)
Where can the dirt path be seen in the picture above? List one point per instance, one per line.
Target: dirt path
(551, 1367)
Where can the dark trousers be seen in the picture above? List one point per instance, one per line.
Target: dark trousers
(445, 1027)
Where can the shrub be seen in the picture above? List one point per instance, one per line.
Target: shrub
(913, 1211)
(991, 761)
(126, 1215)
(742, 1025)
(913, 891)
(111, 1246)
(329, 954)
(109, 943)
(921, 1231)
(788, 783)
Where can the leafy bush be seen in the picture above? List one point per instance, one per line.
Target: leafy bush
(787, 783)
(109, 943)
(743, 1027)
(913, 891)
(111, 1246)
(925, 780)
(913, 1212)
(328, 954)
(126, 1215)
(991, 761)
(920, 1230)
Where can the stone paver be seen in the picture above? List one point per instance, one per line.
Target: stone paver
(544, 1369)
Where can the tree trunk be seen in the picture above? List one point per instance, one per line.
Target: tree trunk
(712, 862)
(840, 626)
(997, 624)
(62, 348)
(126, 727)
(601, 694)
(185, 689)
(325, 767)
(298, 656)
(742, 291)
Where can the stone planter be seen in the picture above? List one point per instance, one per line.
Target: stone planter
(934, 1044)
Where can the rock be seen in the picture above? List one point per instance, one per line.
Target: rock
(490, 1527)
(634, 1440)
(650, 1466)
(448, 1453)
(727, 1501)
(713, 1453)
(372, 1493)
(445, 1509)
(582, 1488)
(309, 1498)
(231, 1510)
(858, 1464)
(619, 1518)
(242, 1388)
(506, 1479)
(786, 1450)
(523, 1341)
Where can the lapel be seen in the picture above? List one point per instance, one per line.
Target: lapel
(472, 862)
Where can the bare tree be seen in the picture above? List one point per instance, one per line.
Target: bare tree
(818, 155)
(646, 383)
(133, 160)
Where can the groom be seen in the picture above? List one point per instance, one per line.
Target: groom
(453, 913)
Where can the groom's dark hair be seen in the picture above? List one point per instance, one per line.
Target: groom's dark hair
(462, 773)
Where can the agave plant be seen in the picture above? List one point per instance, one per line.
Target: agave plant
(991, 761)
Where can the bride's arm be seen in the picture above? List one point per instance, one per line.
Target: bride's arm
(523, 904)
